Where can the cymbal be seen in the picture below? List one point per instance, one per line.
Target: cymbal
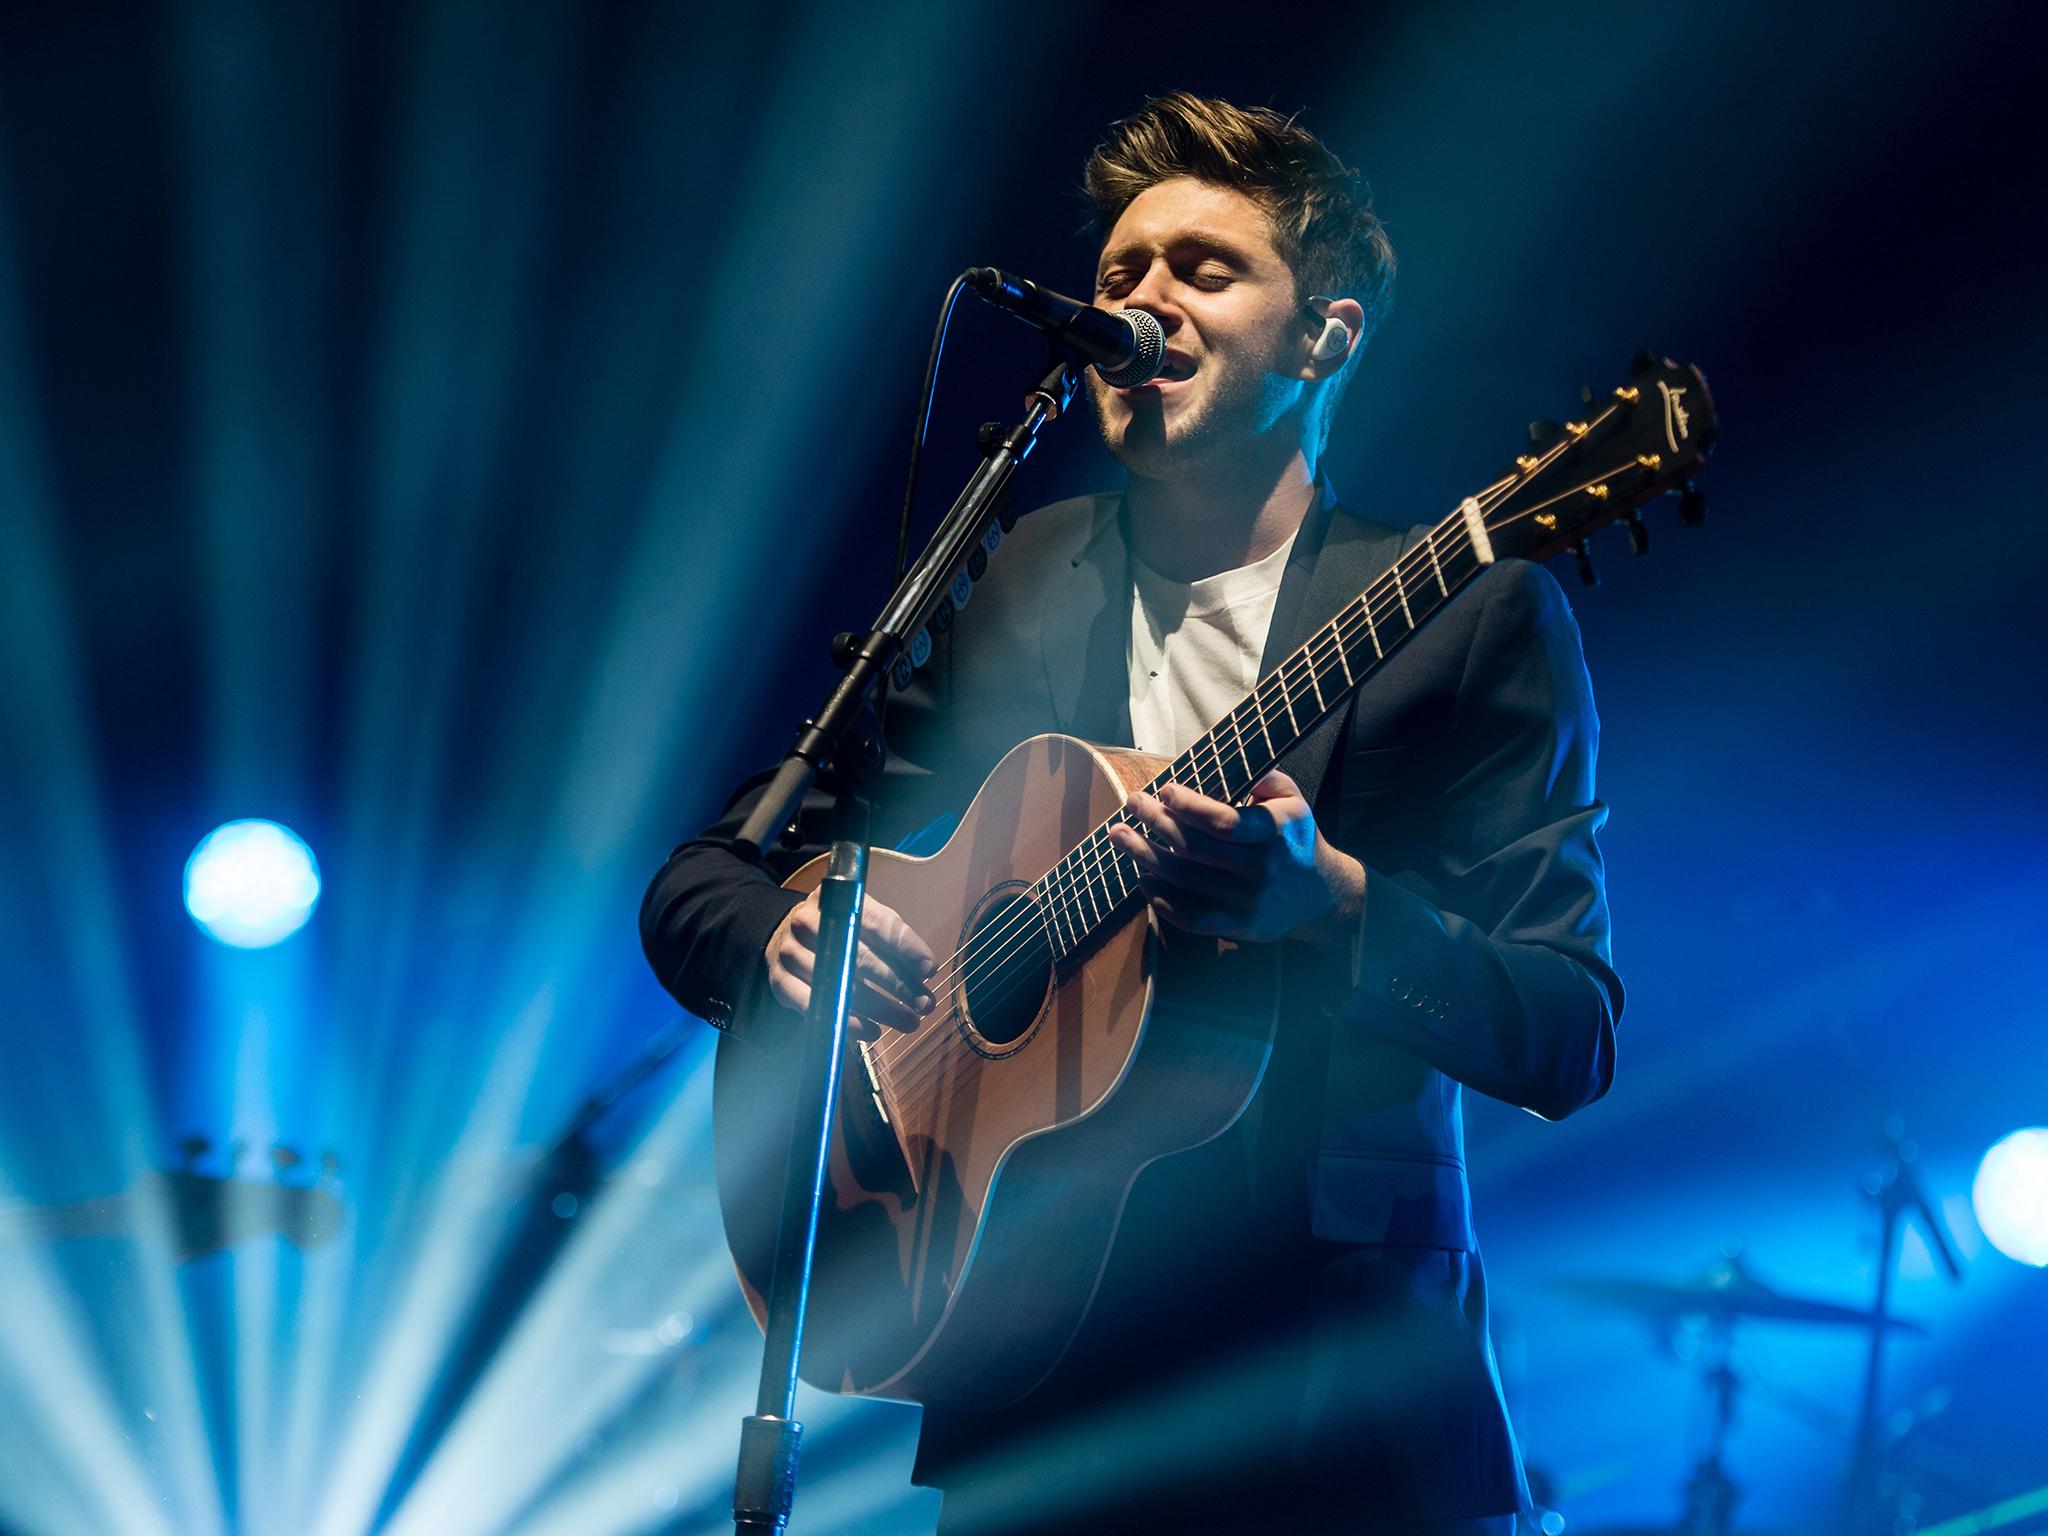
(1726, 1292)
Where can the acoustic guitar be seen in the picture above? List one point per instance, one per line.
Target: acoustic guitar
(979, 1164)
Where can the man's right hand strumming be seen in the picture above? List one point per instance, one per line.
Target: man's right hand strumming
(894, 968)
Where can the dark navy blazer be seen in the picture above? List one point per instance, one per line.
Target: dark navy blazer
(1461, 777)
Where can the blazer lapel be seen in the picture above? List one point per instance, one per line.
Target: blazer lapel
(1351, 552)
(1085, 635)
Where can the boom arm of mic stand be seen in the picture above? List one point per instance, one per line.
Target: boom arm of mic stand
(907, 612)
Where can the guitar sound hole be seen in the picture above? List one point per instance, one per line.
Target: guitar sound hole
(1007, 970)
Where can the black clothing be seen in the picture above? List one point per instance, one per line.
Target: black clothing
(1325, 1244)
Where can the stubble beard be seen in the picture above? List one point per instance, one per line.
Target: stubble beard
(1239, 406)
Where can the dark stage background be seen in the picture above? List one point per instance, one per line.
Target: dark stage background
(453, 430)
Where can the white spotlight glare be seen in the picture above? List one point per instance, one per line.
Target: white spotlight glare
(2010, 1196)
(251, 883)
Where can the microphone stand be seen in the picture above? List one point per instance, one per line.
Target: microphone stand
(764, 1487)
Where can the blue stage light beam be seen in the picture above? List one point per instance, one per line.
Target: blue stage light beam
(2010, 1196)
(74, 1101)
(251, 883)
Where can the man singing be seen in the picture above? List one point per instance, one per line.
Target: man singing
(1291, 1332)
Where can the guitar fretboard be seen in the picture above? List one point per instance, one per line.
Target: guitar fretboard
(1095, 888)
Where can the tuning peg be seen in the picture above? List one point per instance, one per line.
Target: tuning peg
(988, 437)
(1645, 361)
(284, 1158)
(1638, 533)
(330, 1163)
(1586, 395)
(235, 1150)
(1587, 575)
(1544, 433)
(1692, 505)
(193, 1148)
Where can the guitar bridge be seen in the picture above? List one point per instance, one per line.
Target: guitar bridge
(879, 1100)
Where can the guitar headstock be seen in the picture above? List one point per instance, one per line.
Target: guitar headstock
(1649, 436)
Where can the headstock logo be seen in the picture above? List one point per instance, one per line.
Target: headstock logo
(1677, 423)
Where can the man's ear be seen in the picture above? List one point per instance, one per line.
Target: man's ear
(1331, 342)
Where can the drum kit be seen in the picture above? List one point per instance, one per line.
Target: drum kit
(1707, 1310)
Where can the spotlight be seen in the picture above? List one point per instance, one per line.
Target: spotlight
(2010, 1196)
(251, 883)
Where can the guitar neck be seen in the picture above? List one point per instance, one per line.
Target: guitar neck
(1094, 887)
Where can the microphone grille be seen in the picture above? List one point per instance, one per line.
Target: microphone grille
(1148, 351)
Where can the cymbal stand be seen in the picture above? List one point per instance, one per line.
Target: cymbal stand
(1711, 1494)
(1898, 1195)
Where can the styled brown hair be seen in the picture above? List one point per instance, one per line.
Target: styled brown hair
(1320, 209)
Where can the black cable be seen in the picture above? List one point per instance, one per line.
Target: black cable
(924, 421)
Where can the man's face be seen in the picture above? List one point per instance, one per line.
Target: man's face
(1200, 257)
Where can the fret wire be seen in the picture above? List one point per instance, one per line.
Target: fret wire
(1293, 724)
(1436, 564)
(1265, 733)
(1096, 858)
(1060, 882)
(1057, 907)
(1222, 770)
(1120, 863)
(1261, 703)
(1243, 756)
(1069, 913)
(1052, 945)
(1314, 683)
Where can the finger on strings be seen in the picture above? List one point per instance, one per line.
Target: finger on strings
(1275, 786)
(878, 1004)
(883, 1007)
(885, 927)
(1178, 834)
(884, 978)
(1197, 812)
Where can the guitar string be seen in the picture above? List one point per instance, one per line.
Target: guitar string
(1311, 661)
(918, 1090)
(926, 1058)
(996, 948)
(1331, 642)
(927, 1064)
(1095, 865)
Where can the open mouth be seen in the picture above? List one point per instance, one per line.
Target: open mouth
(1179, 368)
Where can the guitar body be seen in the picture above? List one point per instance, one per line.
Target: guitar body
(979, 1165)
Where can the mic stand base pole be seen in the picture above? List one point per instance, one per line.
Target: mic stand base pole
(771, 1439)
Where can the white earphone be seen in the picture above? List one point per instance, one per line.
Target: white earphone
(1336, 338)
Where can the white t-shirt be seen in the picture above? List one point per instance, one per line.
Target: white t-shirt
(1195, 647)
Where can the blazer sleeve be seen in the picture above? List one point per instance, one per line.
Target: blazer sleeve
(1492, 959)
(708, 914)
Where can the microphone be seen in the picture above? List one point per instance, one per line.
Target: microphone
(1126, 346)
